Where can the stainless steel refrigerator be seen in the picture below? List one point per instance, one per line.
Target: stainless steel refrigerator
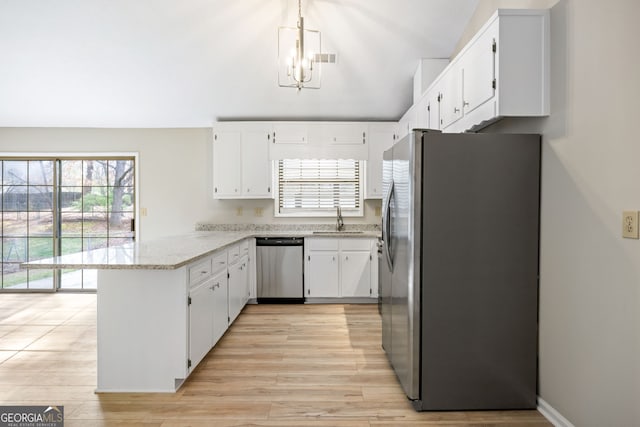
(459, 269)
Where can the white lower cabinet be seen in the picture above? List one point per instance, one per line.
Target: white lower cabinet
(238, 287)
(218, 291)
(201, 303)
(355, 273)
(338, 267)
(322, 276)
(220, 305)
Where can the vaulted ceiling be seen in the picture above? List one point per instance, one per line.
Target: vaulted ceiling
(167, 63)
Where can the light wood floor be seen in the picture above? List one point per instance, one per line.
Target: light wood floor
(300, 365)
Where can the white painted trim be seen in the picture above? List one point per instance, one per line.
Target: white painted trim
(551, 414)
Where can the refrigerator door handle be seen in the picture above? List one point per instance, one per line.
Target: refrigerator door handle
(386, 227)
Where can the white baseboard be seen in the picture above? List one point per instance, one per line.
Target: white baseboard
(550, 413)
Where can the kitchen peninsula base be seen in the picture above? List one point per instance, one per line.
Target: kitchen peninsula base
(142, 320)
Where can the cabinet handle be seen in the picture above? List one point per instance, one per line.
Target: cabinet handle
(248, 189)
(465, 104)
(456, 110)
(333, 258)
(308, 291)
(221, 262)
(346, 258)
(203, 272)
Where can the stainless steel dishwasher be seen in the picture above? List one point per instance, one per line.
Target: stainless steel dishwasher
(280, 269)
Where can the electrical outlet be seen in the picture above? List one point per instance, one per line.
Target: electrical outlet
(258, 211)
(239, 211)
(378, 211)
(630, 224)
(143, 211)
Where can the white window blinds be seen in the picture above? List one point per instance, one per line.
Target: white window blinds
(318, 187)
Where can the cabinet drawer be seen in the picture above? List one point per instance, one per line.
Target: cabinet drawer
(321, 243)
(219, 262)
(233, 254)
(355, 244)
(199, 271)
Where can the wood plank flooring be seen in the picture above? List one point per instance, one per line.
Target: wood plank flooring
(278, 365)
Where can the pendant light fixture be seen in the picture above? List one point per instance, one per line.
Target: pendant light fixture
(299, 56)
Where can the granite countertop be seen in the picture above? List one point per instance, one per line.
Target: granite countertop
(170, 253)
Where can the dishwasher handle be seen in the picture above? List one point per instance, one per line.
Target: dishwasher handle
(279, 241)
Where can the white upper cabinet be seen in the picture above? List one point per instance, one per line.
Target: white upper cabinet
(408, 122)
(381, 138)
(290, 133)
(227, 159)
(241, 165)
(478, 64)
(256, 167)
(433, 109)
(451, 96)
(345, 133)
(502, 72)
(319, 140)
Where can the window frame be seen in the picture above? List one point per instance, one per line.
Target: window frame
(55, 157)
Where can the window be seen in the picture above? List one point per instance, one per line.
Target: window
(56, 206)
(318, 187)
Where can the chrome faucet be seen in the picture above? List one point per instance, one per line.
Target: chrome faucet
(339, 221)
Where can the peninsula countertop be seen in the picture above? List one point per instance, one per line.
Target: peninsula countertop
(170, 253)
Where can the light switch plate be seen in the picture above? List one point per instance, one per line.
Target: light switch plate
(630, 224)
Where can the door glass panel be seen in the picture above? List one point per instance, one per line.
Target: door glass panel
(71, 173)
(15, 224)
(40, 279)
(41, 172)
(14, 172)
(40, 224)
(85, 203)
(71, 245)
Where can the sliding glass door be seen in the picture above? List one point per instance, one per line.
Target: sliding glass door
(27, 222)
(60, 206)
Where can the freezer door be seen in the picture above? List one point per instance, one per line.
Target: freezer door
(405, 247)
(384, 263)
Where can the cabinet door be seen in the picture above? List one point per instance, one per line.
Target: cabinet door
(238, 284)
(227, 160)
(355, 273)
(373, 271)
(479, 70)
(244, 281)
(322, 279)
(220, 305)
(451, 97)
(200, 321)
(345, 133)
(422, 113)
(407, 123)
(256, 166)
(381, 137)
(290, 133)
(433, 109)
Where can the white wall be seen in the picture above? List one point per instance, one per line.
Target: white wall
(590, 276)
(175, 175)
